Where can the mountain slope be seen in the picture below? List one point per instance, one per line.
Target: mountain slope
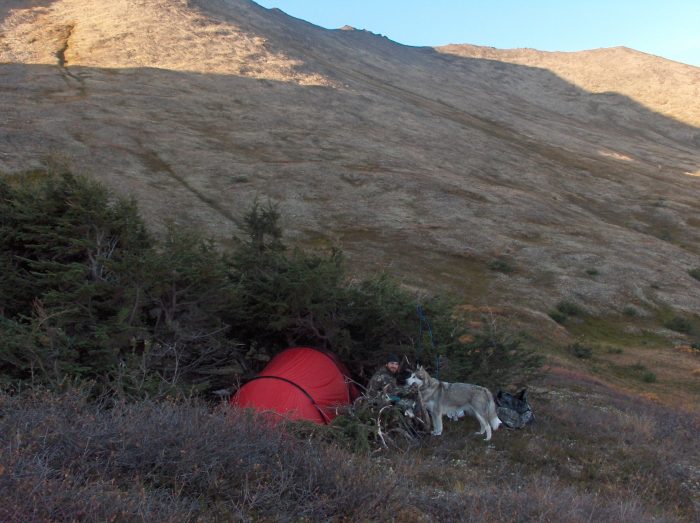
(665, 87)
(433, 162)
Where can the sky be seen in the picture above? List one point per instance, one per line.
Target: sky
(668, 28)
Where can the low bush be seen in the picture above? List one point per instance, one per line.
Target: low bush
(370, 425)
(679, 324)
(597, 445)
(580, 351)
(558, 317)
(648, 377)
(695, 273)
(497, 358)
(569, 308)
(630, 311)
(564, 310)
(66, 458)
(501, 265)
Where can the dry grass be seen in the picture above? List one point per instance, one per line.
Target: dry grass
(606, 452)
(635, 354)
(592, 71)
(66, 459)
(603, 456)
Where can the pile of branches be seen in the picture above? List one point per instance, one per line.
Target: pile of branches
(372, 423)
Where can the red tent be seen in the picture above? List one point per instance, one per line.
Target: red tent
(300, 383)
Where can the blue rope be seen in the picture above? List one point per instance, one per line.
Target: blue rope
(422, 319)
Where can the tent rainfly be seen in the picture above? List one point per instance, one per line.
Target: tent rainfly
(300, 383)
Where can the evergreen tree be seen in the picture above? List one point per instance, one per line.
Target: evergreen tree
(67, 243)
(88, 293)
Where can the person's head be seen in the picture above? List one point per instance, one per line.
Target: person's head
(392, 363)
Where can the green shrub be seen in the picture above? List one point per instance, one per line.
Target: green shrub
(21, 355)
(592, 272)
(89, 294)
(580, 351)
(286, 297)
(501, 265)
(630, 311)
(569, 308)
(695, 273)
(564, 310)
(289, 297)
(368, 425)
(679, 324)
(558, 316)
(649, 377)
(496, 358)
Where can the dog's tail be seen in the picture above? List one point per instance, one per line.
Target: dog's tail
(493, 417)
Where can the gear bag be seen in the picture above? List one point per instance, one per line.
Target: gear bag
(513, 409)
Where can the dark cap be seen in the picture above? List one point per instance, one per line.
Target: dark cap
(393, 358)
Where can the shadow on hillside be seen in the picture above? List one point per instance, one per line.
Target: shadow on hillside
(165, 120)
(611, 112)
(420, 75)
(384, 60)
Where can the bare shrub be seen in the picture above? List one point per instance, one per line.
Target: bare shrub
(370, 424)
(174, 461)
(587, 458)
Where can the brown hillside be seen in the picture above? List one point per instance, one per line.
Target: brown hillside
(581, 171)
(663, 86)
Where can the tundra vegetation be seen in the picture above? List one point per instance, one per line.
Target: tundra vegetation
(112, 341)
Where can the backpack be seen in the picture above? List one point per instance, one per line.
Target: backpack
(513, 409)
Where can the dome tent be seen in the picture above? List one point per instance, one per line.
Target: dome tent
(299, 383)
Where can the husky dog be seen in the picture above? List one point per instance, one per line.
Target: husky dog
(455, 400)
